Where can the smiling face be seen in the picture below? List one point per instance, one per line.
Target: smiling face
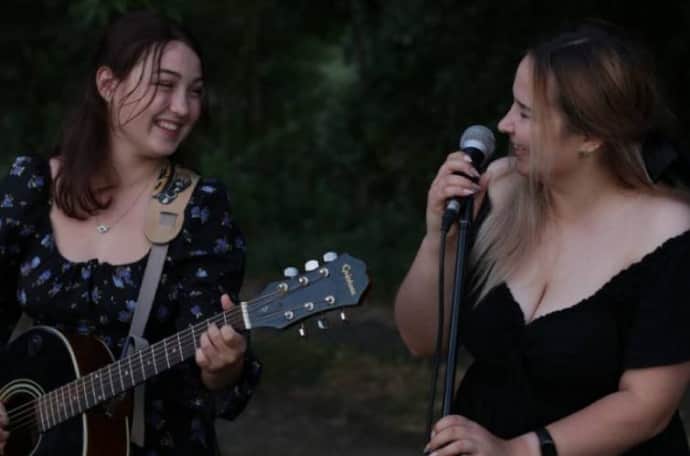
(156, 106)
(540, 138)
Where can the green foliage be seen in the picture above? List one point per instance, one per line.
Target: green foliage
(329, 119)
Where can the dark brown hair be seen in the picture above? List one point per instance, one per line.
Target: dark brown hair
(84, 149)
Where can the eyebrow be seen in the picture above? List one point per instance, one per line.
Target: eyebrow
(178, 75)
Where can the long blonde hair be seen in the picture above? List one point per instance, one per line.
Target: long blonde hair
(604, 88)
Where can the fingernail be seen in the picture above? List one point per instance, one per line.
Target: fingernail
(468, 191)
(467, 158)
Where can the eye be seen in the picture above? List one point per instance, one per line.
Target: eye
(164, 84)
(197, 92)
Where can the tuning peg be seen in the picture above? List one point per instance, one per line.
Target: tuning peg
(322, 323)
(290, 272)
(330, 256)
(302, 331)
(343, 316)
(311, 265)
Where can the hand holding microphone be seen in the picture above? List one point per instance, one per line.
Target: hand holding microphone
(458, 177)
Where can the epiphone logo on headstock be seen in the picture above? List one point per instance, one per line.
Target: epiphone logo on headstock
(348, 279)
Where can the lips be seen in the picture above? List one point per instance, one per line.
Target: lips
(518, 150)
(168, 125)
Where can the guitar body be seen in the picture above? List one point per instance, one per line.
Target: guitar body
(39, 361)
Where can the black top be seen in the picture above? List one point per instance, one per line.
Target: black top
(525, 376)
(205, 260)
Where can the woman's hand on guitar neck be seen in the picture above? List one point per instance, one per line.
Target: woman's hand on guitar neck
(4, 421)
(220, 355)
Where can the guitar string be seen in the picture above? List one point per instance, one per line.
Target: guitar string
(19, 415)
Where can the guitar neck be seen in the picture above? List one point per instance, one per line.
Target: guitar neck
(341, 282)
(109, 381)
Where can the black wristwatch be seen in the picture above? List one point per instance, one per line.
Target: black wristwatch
(546, 443)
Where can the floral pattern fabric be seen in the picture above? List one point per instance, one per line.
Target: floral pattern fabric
(99, 299)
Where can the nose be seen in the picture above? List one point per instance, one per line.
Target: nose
(505, 125)
(179, 104)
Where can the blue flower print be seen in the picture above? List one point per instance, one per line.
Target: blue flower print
(222, 246)
(17, 169)
(47, 242)
(200, 213)
(7, 201)
(209, 189)
(122, 277)
(85, 272)
(21, 297)
(95, 295)
(199, 252)
(201, 273)
(162, 313)
(196, 311)
(29, 266)
(226, 219)
(44, 277)
(124, 316)
(55, 289)
(35, 182)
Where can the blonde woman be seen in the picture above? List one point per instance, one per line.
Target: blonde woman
(580, 305)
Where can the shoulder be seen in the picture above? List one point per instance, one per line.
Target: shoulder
(663, 216)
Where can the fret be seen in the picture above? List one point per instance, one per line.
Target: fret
(153, 357)
(61, 404)
(112, 383)
(86, 396)
(143, 369)
(193, 337)
(52, 407)
(225, 318)
(100, 379)
(165, 350)
(179, 346)
(119, 370)
(131, 370)
(41, 416)
(93, 388)
(70, 400)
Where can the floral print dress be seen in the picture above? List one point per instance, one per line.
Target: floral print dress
(204, 261)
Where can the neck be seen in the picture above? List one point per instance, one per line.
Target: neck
(578, 195)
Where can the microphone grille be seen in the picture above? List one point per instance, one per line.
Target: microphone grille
(479, 137)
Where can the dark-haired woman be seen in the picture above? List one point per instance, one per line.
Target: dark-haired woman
(72, 242)
(578, 319)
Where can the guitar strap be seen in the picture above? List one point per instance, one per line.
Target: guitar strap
(164, 220)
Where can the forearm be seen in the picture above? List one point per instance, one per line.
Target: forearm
(609, 426)
(416, 308)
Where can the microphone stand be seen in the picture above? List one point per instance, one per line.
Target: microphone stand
(464, 223)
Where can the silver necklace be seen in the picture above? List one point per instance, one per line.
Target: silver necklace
(103, 228)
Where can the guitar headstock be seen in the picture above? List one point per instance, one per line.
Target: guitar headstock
(340, 282)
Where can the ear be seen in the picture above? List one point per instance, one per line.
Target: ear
(591, 144)
(105, 83)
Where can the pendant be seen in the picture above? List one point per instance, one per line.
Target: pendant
(102, 228)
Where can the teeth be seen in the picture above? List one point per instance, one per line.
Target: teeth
(168, 125)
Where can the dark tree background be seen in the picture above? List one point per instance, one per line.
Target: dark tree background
(329, 118)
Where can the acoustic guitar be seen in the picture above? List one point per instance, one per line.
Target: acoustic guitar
(67, 395)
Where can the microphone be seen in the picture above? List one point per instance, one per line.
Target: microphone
(478, 143)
